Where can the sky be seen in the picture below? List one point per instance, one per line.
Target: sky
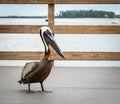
(41, 9)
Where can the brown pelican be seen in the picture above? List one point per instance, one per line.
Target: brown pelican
(37, 72)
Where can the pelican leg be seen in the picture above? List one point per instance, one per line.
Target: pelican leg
(41, 83)
(43, 90)
(29, 91)
(28, 87)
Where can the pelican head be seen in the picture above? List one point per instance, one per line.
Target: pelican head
(48, 39)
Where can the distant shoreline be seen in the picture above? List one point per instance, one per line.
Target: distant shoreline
(27, 17)
(22, 17)
(73, 14)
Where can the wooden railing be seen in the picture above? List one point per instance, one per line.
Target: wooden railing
(60, 29)
(60, 1)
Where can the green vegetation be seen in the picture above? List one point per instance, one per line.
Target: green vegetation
(75, 14)
(85, 14)
(118, 16)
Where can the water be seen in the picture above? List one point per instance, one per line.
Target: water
(86, 21)
(90, 43)
(22, 21)
(65, 21)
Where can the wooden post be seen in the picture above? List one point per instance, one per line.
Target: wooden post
(51, 16)
(51, 21)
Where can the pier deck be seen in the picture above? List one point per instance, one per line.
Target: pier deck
(81, 85)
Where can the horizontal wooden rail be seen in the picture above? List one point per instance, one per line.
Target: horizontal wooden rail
(62, 29)
(87, 1)
(19, 28)
(87, 29)
(59, 1)
(68, 56)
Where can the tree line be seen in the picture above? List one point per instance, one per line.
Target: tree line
(75, 14)
(86, 14)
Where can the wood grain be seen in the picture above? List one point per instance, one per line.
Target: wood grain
(19, 28)
(62, 29)
(68, 56)
(26, 1)
(51, 16)
(87, 1)
(87, 29)
(59, 1)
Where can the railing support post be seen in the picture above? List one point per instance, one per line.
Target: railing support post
(51, 16)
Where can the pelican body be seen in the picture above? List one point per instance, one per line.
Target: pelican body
(37, 72)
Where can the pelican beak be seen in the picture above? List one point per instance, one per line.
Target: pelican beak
(50, 40)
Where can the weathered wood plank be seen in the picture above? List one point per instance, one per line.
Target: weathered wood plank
(19, 28)
(91, 56)
(87, 29)
(20, 55)
(62, 29)
(68, 56)
(51, 16)
(87, 1)
(59, 1)
(26, 1)
(51, 21)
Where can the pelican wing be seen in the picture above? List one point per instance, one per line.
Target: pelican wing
(28, 68)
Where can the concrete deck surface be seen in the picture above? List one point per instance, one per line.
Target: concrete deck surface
(82, 85)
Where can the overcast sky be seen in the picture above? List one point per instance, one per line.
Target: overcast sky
(41, 9)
